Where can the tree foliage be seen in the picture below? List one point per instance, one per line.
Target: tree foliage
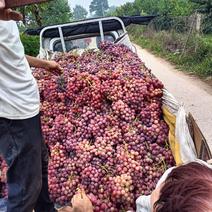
(127, 9)
(79, 12)
(53, 12)
(156, 7)
(167, 10)
(205, 7)
(32, 14)
(57, 11)
(111, 11)
(31, 44)
(99, 7)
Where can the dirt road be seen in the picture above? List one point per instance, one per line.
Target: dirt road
(195, 94)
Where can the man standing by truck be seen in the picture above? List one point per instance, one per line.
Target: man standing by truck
(21, 143)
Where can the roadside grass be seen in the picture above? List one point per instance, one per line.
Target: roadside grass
(192, 54)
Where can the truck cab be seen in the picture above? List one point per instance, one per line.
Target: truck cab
(86, 34)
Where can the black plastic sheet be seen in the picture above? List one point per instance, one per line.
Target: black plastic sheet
(87, 28)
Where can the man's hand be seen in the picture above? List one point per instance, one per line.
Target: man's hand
(4, 175)
(209, 162)
(51, 66)
(66, 209)
(81, 203)
(8, 14)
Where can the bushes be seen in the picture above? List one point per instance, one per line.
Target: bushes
(31, 44)
(203, 56)
(194, 57)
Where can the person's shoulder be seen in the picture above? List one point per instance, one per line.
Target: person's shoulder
(164, 176)
(209, 165)
(8, 24)
(9, 28)
(143, 203)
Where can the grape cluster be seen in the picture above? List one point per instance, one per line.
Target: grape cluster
(3, 171)
(102, 120)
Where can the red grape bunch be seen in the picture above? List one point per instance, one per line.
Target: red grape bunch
(103, 122)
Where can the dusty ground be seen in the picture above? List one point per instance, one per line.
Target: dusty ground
(194, 93)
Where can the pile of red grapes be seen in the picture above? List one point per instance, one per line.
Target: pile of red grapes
(102, 121)
(3, 171)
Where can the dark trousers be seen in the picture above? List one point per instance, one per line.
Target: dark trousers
(26, 155)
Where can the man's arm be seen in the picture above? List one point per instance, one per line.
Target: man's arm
(46, 64)
(2, 4)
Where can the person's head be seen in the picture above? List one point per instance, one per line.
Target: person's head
(187, 188)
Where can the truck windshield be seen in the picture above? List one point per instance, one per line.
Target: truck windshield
(81, 43)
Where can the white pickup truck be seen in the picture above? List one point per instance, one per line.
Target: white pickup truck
(87, 34)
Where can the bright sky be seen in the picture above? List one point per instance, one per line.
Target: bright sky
(86, 3)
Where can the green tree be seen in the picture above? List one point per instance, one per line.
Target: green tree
(205, 7)
(165, 7)
(53, 12)
(79, 12)
(99, 7)
(127, 9)
(32, 14)
(147, 6)
(111, 11)
(57, 11)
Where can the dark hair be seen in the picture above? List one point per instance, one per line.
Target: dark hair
(188, 188)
